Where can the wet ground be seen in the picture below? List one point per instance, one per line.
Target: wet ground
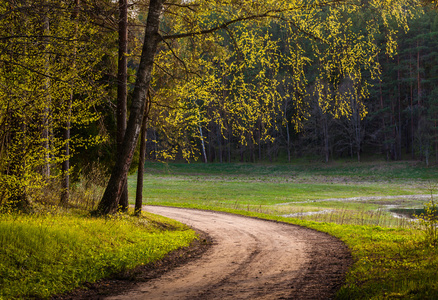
(402, 206)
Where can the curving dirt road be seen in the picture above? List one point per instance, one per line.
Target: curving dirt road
(250, 259)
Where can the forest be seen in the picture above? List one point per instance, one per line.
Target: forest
(232, 81)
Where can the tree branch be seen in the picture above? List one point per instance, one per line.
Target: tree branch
(188, 6)
(266, 14)
(35, 71)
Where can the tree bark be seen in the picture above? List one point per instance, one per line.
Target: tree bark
(204, 154)
(65, 184)
(418, 74)
(219, 141)
(46, 111)
(122, 78)
(140, 172)
(113, 191)
(412, 107)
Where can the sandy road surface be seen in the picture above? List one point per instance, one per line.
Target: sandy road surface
(250, 259)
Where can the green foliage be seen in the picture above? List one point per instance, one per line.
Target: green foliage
(48, 76)
(50, 253)
(242, 71)
(428, 222)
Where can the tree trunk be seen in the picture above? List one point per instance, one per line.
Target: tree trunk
(326, 137)
(140, 172)
(436, 142)
(113, 191)
(230, 136)
(65, 184)
(155, 144)
(204, 154)
(399, 136)
(219, 141)
(418, 74)
(46, 112)
(385, 147)
(122, 77)
(412, 107)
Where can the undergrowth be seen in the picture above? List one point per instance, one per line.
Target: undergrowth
(428, 222)
(49, 253)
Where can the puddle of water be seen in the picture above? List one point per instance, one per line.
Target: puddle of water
(309, 213)
(410, 213)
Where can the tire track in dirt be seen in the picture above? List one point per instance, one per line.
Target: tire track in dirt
(250, 259)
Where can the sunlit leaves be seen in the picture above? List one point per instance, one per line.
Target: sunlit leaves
(243, 65)
(46, 57)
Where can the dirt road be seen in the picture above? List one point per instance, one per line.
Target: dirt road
(250, 259)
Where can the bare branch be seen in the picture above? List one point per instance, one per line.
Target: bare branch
(165, 71)
(38, 37)
(176, 56)
(35, 71)
(267, 14)
(188, 6)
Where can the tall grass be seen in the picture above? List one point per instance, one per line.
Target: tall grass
(50, 253)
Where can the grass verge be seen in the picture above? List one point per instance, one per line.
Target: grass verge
(392, 258)
(389, 263)
(46, 254)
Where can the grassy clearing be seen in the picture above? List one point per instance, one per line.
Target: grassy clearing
(348, 171)
(200, 189)
(290, 189)
(392, 258)
(46, 254)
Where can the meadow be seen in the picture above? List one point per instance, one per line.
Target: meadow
(395, 257)
(54, 250)
(346, 193)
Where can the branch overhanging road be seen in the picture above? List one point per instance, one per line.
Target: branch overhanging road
(250, 259)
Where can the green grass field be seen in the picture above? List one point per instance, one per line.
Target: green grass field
(394, 258)
(54, 251)
(293, 189)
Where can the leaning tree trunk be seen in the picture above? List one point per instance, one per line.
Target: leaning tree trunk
(115, 186)
(122, 78)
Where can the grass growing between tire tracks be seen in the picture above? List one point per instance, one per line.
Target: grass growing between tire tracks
(46, 254)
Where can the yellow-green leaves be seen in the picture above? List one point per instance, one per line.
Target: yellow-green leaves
(243, 66)
(46, 56)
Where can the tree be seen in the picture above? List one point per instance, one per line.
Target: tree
(326, 23)
(116, 183)
(122, 91)
(37, 82)
(65, 181)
